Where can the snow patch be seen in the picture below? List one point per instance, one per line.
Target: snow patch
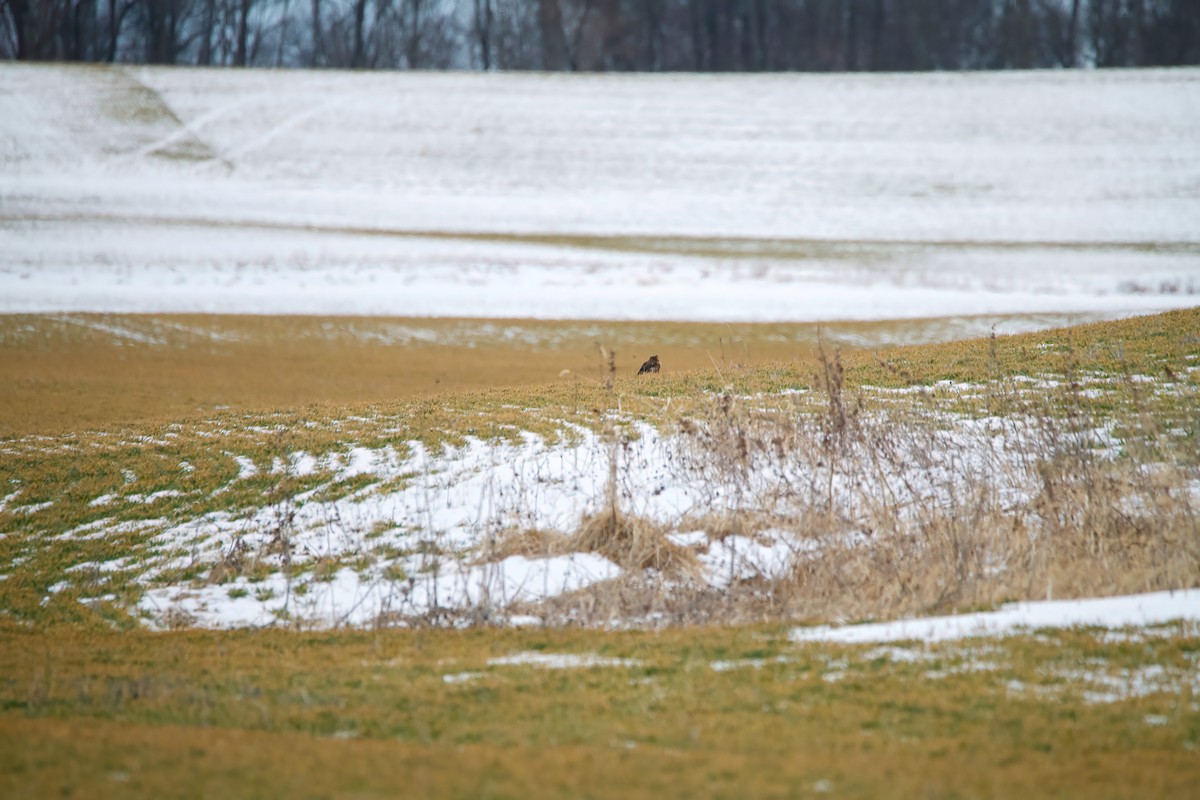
(246, 467)
(561, 661)
(1106, 612)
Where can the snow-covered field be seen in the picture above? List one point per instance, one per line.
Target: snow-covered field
(789, 198)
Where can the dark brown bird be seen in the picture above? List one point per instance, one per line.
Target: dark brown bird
(650, 366)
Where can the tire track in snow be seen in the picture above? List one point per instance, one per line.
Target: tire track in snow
(192, 129)
(287, 124)
(181, 134)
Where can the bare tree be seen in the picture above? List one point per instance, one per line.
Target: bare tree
(415, 28)
(1071, 51)
(612, 48)
(35, 27)
(483, 21)
(283, 33)
(517, 41)
(163, 29)
(208, 24)
(318, 36)
(652, 33)
(240, 52)
(358, 53)
(554, 40)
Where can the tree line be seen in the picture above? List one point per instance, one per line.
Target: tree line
(608, 35)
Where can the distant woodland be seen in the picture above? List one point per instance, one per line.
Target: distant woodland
(608, 35)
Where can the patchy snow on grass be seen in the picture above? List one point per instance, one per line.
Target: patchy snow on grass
(419, 534)
(112, 565)
(1100, 686)
(415, 543)
(246, 467)
(4, 501)
(353, 598)
(746, 663)
(420, 558)
(31, 509)
(561, 660)
(1106, 612)
(153, 497)
(461, 677)
(543, 660)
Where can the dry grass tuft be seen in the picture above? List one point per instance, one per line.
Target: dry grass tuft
(526, 542)
(634, 543)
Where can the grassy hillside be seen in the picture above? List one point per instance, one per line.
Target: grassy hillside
(92, 705)
(83, 511)
(70, 372)
(82, 372)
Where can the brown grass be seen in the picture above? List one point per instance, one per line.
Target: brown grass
(718, 525)
(633, 543)
(1037, 513)
(891, 512)
(54, 758)
(369, 714)
(527, 542)
(65, 373)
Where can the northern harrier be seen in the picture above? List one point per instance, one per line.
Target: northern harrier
(650, 366)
